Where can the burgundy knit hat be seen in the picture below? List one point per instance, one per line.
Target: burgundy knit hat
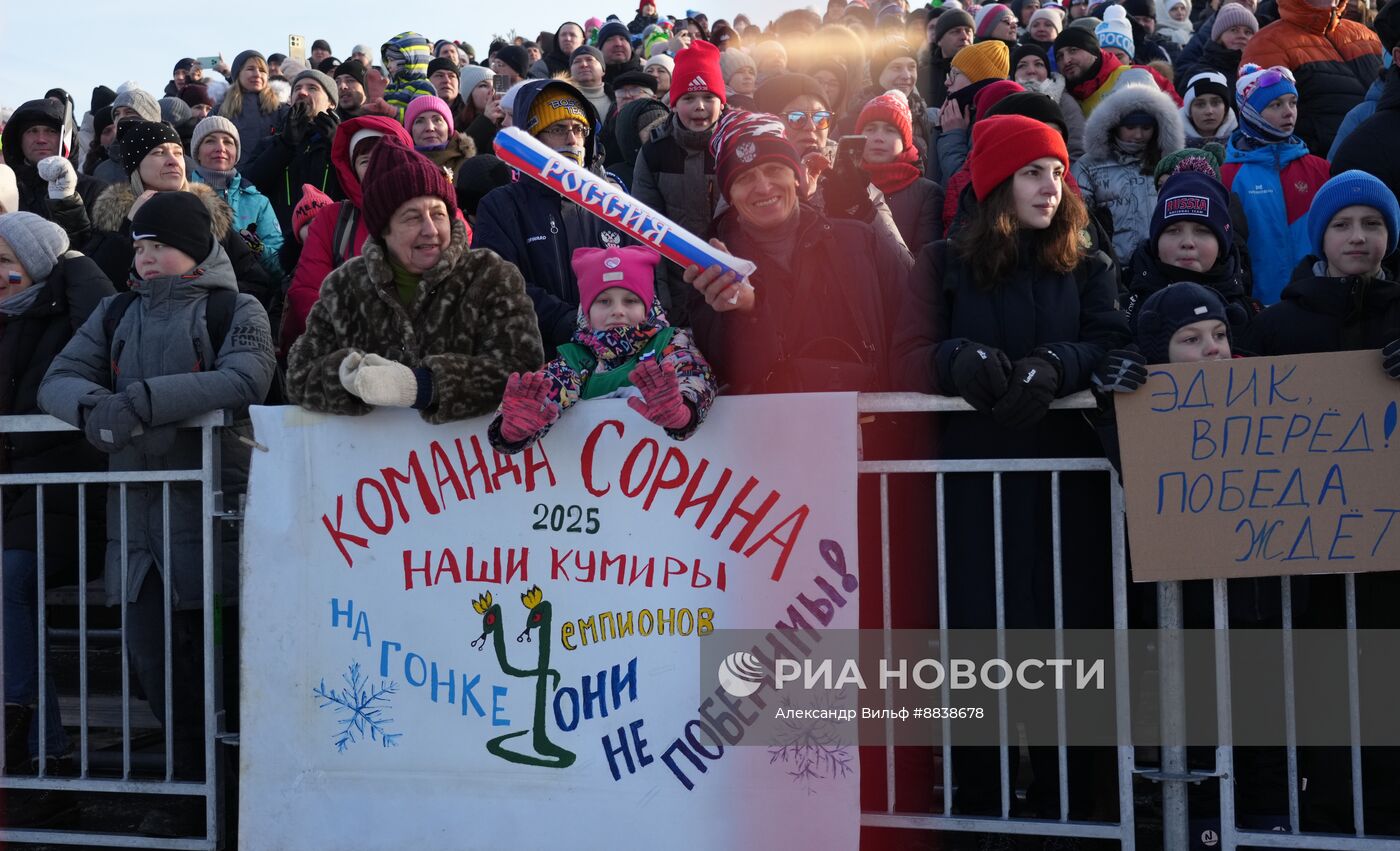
(742, 140)
(397, 174)
(891, 107)
(1001, 144)
(697, 70)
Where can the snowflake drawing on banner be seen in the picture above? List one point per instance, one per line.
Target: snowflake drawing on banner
(811, 748)
(364, 708)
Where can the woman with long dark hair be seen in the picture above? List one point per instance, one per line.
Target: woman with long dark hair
(1011, 314)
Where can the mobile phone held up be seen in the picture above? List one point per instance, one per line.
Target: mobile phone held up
(500, 82)
(296, 48)
(850, 152)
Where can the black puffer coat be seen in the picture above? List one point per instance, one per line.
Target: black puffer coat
(1321, 314)
(1076, 316)
(1147, 274)
(28, 344)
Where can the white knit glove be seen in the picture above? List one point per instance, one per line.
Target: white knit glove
(380, 381)
(62, 179)
(349, 366)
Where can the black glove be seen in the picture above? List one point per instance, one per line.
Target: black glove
(112, 422)
(297, 124)
(1391, 364)
(325, 123)
(1120, 371)
(980, 374)
(1030, 390)
(846, 193)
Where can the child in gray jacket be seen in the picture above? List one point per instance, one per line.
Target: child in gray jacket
(186, 343)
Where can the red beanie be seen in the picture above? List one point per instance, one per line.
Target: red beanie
(892, 107)
(1001, 144)
(992, 94)
(397, 174)
(697, 70)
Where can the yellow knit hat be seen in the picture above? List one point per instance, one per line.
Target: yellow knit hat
(986, 60)
(552, 106)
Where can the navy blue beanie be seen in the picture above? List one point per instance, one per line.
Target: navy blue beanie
(1169, 310)
(1193, 196)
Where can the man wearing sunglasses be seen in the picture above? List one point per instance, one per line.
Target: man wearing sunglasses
(841, 190)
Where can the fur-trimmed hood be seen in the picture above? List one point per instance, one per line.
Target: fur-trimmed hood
(1124, 100)
(111, 207)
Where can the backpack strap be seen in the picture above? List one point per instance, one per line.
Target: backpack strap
(218, 318)
(346, 222)
(111, 318)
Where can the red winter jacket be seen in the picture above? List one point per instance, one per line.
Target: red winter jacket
(317, 256)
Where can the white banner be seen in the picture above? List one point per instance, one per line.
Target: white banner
(447, 648)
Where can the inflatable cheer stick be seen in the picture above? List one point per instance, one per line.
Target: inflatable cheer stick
(529, 156)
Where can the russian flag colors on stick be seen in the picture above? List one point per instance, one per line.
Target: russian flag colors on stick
(529, 156)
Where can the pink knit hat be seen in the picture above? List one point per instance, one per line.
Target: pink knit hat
(633, 268)
(427, 103)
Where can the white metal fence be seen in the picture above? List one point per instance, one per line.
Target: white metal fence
(109, 763)
(109, 758)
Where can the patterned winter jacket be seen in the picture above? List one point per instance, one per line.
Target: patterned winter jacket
(608, 357)
(470, 326)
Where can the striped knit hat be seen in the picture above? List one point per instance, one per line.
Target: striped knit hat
(988, 17)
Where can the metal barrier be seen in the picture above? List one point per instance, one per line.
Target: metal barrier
(1173, 774)
(124, 779)
(1124, 829)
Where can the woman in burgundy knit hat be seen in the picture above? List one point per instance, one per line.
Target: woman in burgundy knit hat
(1010, 314)
(418, 320)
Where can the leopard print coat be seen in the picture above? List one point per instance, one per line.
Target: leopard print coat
(471, 325)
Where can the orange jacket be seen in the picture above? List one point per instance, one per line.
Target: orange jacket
(1334, 61)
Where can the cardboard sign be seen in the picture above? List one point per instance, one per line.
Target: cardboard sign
(1262, 467)
(448, 648)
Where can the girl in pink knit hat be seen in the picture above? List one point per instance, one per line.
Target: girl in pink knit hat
(623, 347)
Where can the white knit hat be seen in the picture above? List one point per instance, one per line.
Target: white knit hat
(1115, 31)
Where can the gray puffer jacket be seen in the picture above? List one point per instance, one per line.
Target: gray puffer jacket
(1119, 182)
(160, 350)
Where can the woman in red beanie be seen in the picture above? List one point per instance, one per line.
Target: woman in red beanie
(1011, 314)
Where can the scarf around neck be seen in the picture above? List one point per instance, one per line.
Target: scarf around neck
(891, 177)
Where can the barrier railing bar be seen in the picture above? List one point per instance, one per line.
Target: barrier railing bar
(887, 614)
(1057, 574)
(1354, 708)
(1004, 721)
(943, 643)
